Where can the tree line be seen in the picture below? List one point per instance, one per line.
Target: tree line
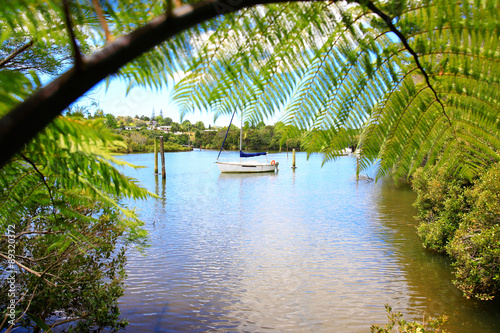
(181, 136)
(261, 137)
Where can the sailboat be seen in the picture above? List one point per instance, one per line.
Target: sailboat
(245, 166)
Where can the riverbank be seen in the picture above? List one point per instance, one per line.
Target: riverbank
(459, 217)
(168, 147)
(263, 138)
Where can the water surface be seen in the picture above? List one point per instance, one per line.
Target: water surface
(309, 250)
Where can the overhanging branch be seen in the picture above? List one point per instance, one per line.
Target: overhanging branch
(25, 121)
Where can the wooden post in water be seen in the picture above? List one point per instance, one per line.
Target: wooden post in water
(162, 156)
(156, 155)
(293, 159)
(357, 167)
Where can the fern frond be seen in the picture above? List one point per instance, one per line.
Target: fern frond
(406, 104)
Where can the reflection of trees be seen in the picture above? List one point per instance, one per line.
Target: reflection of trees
(428, 275)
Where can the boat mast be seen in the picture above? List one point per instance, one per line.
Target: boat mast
(220, 151)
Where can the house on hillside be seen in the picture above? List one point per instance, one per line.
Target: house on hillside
(166, 129)
(151, 124)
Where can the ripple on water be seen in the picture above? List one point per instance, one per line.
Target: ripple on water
(303, 251)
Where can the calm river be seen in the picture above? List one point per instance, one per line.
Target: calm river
(303, 251)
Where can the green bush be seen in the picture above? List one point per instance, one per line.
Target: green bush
(476, 254)
(82, 281)
(462, 219)
(65, 231)
(476, 245)
(441, 204)
(398, 324)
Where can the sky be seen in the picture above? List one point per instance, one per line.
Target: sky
(141, 101)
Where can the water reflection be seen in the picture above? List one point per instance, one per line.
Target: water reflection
(429, 275)
(309, 250)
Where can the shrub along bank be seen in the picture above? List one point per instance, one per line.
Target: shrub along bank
(462, 219)
(142, 141)
(261, 137)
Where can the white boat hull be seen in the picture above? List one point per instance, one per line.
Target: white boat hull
(246, 167)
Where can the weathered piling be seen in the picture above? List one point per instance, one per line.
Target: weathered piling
(162, 156)
(293, 159)
(357, 167)
(156, 155)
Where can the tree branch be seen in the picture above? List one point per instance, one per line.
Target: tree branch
(46, 185)
(14, 54)
(29, 270)
(102, 20)
(22, 123)
(27, 306)
(65, 321)
(370, 5)
(22, 266)
(69, 26)
(4, 319)
(30, 259)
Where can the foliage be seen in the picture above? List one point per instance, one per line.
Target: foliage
(140, 141)
(82, 280)
(265, 138)
(40, 28)
(42, 56)
(60, 196)
(441, 204)
(398, 324)
(260, 137)
(429, 91)
(462, 219)
(111, 121)
(476, 245)
(135, 141)
(199, 125)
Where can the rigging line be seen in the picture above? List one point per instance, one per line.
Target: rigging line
(403, 39)
(207, 170)
(226, 134)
